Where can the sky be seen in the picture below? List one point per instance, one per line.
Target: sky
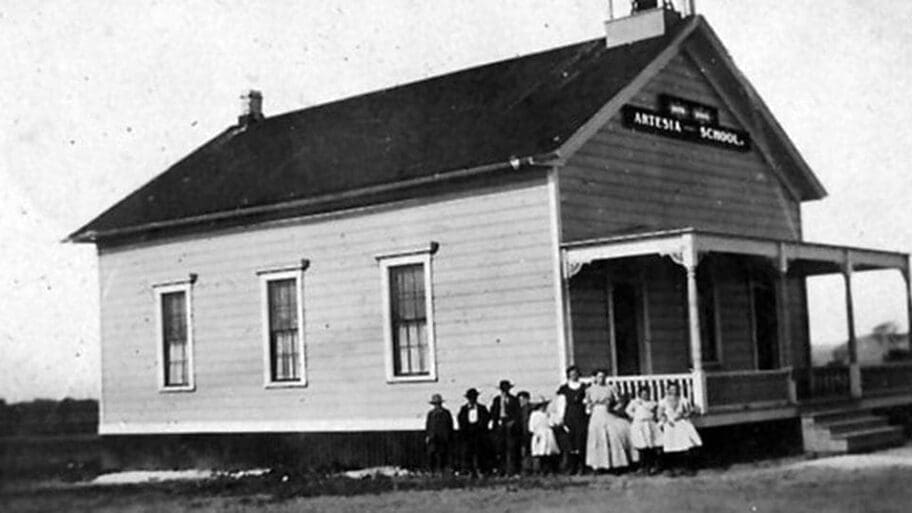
(98, 97)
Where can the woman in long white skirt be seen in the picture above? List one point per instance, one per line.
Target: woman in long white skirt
(608, 443)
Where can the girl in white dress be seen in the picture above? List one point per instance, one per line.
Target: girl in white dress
(544, 443)
(645, 435)
(679, 436)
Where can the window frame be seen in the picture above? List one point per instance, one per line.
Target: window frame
(386, 263)
(160, 290)
(265, 278)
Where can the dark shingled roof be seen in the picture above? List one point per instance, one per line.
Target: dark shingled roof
(520, 107)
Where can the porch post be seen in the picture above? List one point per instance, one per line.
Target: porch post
(785, 321)
(908, 282)
(854, 370)
(689, 260)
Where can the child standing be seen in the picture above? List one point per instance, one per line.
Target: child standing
(679, 436)
(544, 443)
(645, 435)
(438, 430)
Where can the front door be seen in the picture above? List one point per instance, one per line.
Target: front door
(625, 315)
(766, 325)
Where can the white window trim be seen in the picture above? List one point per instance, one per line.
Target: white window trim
(265, 277)
(386, 262)
(185, 286)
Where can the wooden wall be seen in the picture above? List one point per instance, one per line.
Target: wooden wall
(624, 181)
(494, 299)
(667, 330)
(621, 181)
(589, 309)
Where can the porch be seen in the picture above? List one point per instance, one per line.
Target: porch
(724, 317)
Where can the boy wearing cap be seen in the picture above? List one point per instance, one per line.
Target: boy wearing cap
(506, 423)
(438, 429)
(473, 421)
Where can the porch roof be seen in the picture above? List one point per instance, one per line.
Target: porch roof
(805, 258)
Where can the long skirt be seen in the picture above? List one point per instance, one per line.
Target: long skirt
(608, 443)
(680, 436)
(645, 434)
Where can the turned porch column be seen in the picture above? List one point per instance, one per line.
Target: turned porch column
(854, 369)
(690, 260)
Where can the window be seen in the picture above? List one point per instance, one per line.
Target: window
(408, 317)
(175, 336)
(283, 328)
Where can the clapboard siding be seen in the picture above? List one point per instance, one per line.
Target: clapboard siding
(667, 317)
(589, 308)
(667, 314)
(735, 321)
(493, 299)
(621, 180)
(798, 317)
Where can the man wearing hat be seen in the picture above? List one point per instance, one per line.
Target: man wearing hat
(506, 424)
(438, 431)
(473, 421)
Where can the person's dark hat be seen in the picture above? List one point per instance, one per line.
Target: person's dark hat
(505, 384)
(471, 393)
(436, 399)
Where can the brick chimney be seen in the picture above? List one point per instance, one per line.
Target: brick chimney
(251, 107)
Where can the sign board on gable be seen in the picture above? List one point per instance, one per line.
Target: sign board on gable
(686, 120)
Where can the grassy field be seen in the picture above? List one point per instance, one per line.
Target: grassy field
(873, 483)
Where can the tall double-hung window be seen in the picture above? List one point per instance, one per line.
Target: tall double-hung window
(408, 316)
(175, 336)
(283, 328)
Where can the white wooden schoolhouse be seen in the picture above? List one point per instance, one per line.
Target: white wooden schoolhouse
(302, 283)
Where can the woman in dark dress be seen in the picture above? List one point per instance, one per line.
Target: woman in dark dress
(575, 421)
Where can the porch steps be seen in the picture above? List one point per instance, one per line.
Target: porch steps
(847, 430)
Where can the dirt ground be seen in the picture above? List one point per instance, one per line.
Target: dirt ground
(878, 482)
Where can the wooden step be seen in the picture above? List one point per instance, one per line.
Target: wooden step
(854, 424)
(872, 439)
(830, 416)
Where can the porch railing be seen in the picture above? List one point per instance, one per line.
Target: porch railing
(748, 388)
(656, 383)
(832, 381)
(886, 378)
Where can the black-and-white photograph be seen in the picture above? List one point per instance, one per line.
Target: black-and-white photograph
(458, 255)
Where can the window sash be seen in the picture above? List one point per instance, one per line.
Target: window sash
(176, 364)
(283, 332)
(408, 320)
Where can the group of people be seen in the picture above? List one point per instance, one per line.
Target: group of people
(584, 426)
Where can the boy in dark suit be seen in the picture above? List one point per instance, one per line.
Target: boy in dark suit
(506, 424)
(473, 421)
(438, 430)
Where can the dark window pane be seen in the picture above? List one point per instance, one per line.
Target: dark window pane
(174, 334)
(284, 354)
(409, 320)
